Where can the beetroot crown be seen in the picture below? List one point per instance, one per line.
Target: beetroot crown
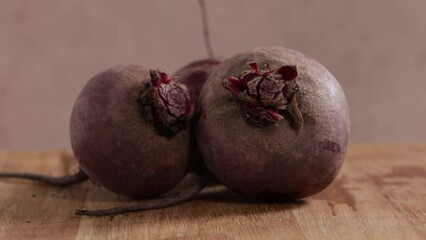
(169, 102)
(265, 93)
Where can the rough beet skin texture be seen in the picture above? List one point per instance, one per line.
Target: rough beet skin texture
(282, 159)
(115, 140)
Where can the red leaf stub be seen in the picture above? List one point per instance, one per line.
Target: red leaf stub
(169, 102)
(264, 93)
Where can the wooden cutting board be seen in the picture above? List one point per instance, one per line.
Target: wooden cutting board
(379, 194)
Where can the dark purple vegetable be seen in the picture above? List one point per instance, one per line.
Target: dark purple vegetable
(273, 123)
(128, 131)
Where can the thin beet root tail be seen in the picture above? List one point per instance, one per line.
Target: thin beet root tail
(266, 94)
(197, 185)
(63, 181)
(206, 29)
(168, 103)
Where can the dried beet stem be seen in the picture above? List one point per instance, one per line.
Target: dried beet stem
(195, 187)
(62, 181)
(293, 109)
(206, 29)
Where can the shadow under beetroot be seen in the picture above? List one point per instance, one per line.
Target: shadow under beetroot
(221, 194)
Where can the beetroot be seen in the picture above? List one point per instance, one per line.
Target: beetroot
(128, 131)
(273, 123)
(193, 76)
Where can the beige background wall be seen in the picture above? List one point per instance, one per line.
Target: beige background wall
(50, 48)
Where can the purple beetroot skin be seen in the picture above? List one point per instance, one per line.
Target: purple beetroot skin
(195, 74)
(129, 131)
(273, 123)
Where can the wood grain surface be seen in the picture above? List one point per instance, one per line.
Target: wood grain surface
(379, 194)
